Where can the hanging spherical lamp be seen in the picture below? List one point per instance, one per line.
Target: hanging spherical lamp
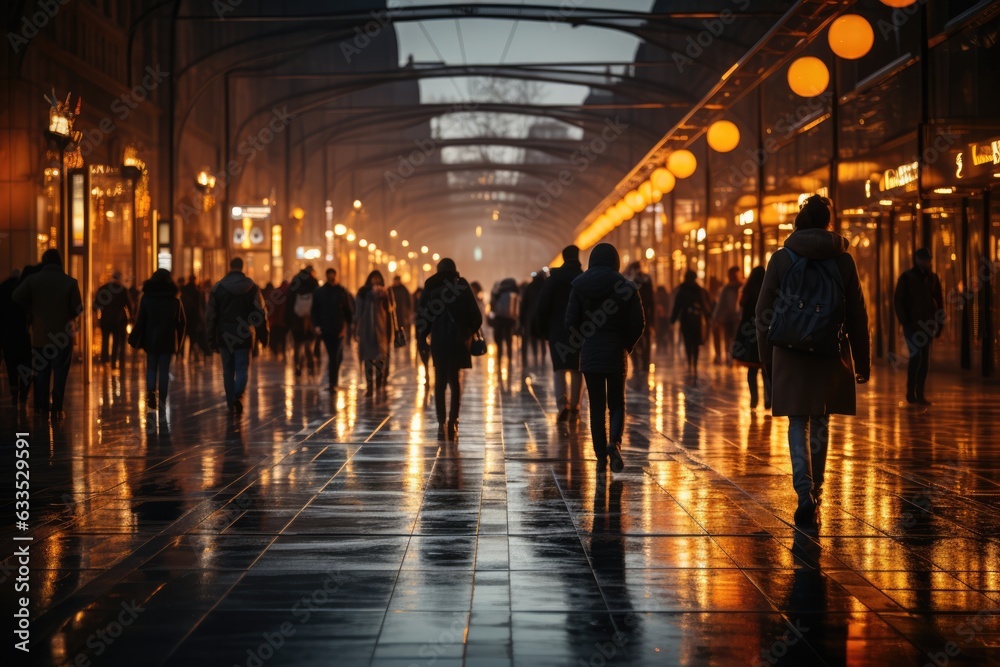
(723, 136)
(898, 4)
(625, 211)
(635, 201)
(808, 76)
(649, 194)
(682, 163)
(663, 180)
(851, 36)
(611, 213)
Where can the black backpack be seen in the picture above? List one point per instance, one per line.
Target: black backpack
(810, 309)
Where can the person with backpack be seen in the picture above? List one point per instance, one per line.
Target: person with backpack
(919, 306)
(298, 318)
(605, 319)
(692, 308)
(812, 337)
(159, 331)
(333, 313)
(236, 315)
(504, 311)
(448, 313)
(550, 321)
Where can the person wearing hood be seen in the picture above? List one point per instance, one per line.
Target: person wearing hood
(298, 318)
(159, 331)
(503, 316)
(692, 306)
(805, 387)
(919, 306)
(531, 337)
(643, 352)
(236, 315)
(605, 320)
(376, 315)
(550, 321)
(448, 313)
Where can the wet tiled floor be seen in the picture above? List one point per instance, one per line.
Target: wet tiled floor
(314, 531)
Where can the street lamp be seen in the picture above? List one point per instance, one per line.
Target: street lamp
(60, 131)
(205, 182)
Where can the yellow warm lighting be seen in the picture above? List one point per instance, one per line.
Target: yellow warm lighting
(435, 257)
(363, 243)
(611, 213)
(635, 201)
(405, 243)
(479, 232)
(723, 136)
(650, 253)
(350, 236)
(340, 230)
(625, 211)
(357, 203)
(663, 180)
(424, 249)
(851, 36)
(298, 213)
(647, 193)
(681, 164)
(898, 4)
(426, 267)
(392, 267)
(392, 233)
(808, 76)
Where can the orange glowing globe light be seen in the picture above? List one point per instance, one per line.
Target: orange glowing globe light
(898, 4)
(808, 76)
(648, 193)
(635, 201)
(611, 213)
(681, 163)
(723, 136)
(851, 36)
(663, 180)
(625, 211)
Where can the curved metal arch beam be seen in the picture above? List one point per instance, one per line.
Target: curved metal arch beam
(538, 171)
(544, 228)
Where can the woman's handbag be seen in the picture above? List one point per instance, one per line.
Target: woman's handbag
(400, 339)
(478, 346)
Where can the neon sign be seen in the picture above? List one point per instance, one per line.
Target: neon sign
(902, 175)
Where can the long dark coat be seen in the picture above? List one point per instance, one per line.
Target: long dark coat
(374, 319)
(692, 308)
(550, 316)
(160, 322)
(803, 383)
(448, 312)
(605, 319)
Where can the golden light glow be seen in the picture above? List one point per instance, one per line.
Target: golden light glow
(681, 164)
(363, 243)
(357, 204)
(340, 229)
(392, 233)
(405, 243)
(663, 180)
(424, 249)
(808, 76)
(625, 211)
(723, 136)
(350, 235)
(298, 213)
(851, 36)
(647, 193)
(635, 201)
(898, 4)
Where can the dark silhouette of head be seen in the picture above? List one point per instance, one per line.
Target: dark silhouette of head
(605, 254)
(375, 278)
(815, 213)
(51, 256)
(571, 254)
(447, 265)
(690, 276)
(236, 264)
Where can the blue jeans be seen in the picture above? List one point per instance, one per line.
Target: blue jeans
(808, 462)
(235, 367)
(158, 365)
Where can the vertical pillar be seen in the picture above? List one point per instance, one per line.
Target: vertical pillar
(984, 270)
(966, 333)
(879, 249)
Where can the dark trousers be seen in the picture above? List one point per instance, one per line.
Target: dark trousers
(17, 357)
(334, 350)
(642, 353)
(446, 377)
(304, 353)
(235, 372)
(503, 334)
(117, 335)
(919, 345)
(54, 374)
(158, 367)
(607, 395)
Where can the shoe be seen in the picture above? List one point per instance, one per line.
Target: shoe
(911, 396)
(615, 457)
(563, 415)
(818, 495)
(754, 398)
(574, 416)
(237, 407)
(767, 402)
(441, 431)
(602, 464)
(452, 430)
(805, 513)
(923, 401)
(151, 401)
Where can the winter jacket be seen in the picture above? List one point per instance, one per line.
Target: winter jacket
(404, 305)
(550, 315)
(332, 310)
(115, 304)
(193, 300)
(727, 312)
(804, 383)
(236, 313)
(52, 301)
(374, 322)
(160, 322)
(919, 302)
(14, 331)
(604, 318)
(529, 306)
(691, 307)
(449, 314)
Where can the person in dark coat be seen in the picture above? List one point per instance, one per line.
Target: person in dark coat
(550, 321)
(52, 302)
(503, 317)
(193, 300)
(423, 353)
(692, 307)
(449, 315)
(298, 318)
(726, 314)
(744, 348)
(116, 307)
(919, 306)
(236, 316)
(642, 354)
(159, 331)
(663, 331)
(276, 308)
(605, 320)
(333, 313)
(375, 330)
(805, 387)
(531, 337)
(15, 338)
(404, 306)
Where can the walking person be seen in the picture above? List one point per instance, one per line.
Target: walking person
(691, 307)
(236, 316)
(423, 353)
(159, 331)
(744, 349)
(531, 337)
(333, 313)
(504, 309)
(726, 316)
(404, 306)
(15, 338)
(919, 305)
(815, 269)
(608, 339)
(193, 301)
(642, 354)
(298, 318)
(51, 300)
(663, 331)
(277, 307)
(115, 305)
(551, 323)
(449, 315)
(375, 331)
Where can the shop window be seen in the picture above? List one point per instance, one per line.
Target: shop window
(962, 70)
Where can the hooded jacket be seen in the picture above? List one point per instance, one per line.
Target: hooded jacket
(448, 312)
(160, 321)
(604, 315)
(236, 313)
(550, 314)
(919, 302)
(803, 383)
